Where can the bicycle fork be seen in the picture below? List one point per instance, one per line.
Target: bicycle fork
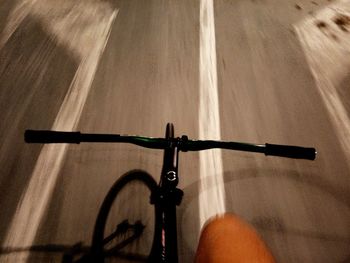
(165, 198)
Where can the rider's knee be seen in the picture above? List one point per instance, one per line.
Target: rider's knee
(227, 238)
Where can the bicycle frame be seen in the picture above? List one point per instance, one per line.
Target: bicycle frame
(167, 196)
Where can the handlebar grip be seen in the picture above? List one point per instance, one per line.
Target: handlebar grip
(295, 152)
(40, 136)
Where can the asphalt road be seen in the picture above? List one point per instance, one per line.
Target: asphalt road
(129, 67)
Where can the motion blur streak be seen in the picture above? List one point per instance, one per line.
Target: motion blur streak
(85, 29)
(22, 9)
(211, 200)
(327, 49)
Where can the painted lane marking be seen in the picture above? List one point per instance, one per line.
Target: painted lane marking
(84, 28)
(211, 202)
(327, 49)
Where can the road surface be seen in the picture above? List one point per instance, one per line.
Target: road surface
(256, 71)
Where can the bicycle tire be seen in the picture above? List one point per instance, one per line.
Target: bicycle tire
(97, 246)
(169, 131)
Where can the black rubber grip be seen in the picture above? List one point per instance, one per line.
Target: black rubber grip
(38, 136)
(295, 152)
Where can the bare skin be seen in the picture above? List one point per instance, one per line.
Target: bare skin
(228, 239)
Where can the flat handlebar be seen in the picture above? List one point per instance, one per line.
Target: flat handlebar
(183, 143)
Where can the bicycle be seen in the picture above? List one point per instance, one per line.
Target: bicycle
(165, 195)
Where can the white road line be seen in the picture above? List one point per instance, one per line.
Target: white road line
(84, 28)
(212, 192)
(327, 49)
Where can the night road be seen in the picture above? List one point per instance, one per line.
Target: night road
(259, 71)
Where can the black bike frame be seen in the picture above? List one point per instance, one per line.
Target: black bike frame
(165, 199)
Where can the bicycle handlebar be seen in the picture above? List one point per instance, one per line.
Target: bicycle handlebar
(183, 144)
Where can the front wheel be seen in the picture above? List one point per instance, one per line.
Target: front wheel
(125, 222)
(169, 131)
